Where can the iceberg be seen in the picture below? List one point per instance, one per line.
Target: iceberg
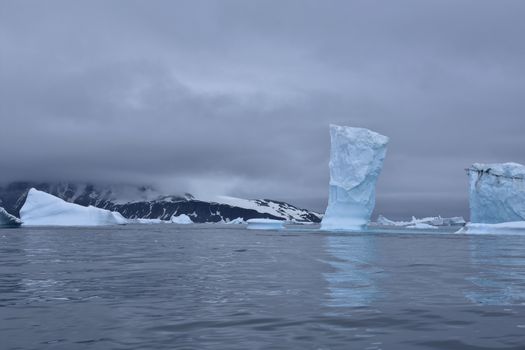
(43, 209)
(182, 219)
(265, 224)
(356, 160)
(236, 221)
(516, 227)
(497, 193)
(7, 219)
(432, 220)
(147, 221)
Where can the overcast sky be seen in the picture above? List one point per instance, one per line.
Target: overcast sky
(235, 97)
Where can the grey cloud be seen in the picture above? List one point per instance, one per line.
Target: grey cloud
(236, 96)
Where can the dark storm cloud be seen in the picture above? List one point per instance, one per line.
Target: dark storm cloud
(236, 96)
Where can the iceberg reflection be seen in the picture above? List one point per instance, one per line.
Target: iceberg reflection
(500, 277)
(351, 283)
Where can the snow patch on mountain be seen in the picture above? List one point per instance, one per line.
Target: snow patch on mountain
(265, 206)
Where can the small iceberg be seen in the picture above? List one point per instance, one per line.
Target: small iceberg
(181, 219)
(147, 221)
(431, 221)
(236, 221)
(43, 209)
(265, 224)
(8, 220)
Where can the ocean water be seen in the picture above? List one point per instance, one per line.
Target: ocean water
(224, 287)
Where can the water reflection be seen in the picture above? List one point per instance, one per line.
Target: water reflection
(352, 281)
(500, 275)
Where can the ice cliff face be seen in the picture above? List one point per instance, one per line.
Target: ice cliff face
(497, 193)
(356, 160)
(43, 209)
(7, 219)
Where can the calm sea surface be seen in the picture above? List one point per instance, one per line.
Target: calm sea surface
(224, 287)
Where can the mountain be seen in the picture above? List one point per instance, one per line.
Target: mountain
(145, 202)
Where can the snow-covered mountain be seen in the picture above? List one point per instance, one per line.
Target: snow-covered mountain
(146, 203)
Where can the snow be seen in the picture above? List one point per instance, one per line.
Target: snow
(356, 160)
(265, 224)
(277, 209)
(516, 227)
(236, 221)
(43, 209)
(182, 219)
(7, 219)
(432, 220)
(497, 192)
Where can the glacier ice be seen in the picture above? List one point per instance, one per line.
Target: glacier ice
(7, 219)
(43, 209)
(497, 192)
(356, 160)
(265, 224)
(182, 219)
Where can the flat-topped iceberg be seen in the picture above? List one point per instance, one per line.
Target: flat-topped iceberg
(7, 219)
(265, 224)
(497, 192)
(356, 160)
(182, 219)
(43, 209)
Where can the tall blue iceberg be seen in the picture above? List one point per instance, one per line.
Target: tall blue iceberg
(497, 193)
(356, 160)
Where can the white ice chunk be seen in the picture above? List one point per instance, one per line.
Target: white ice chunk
(43, 209)
(7, 219)
(356, 159)
(182, 219)
(497, 192)
(265, 224)
(516, 227)
(432, 220)
(236, 221)
(147, 221)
